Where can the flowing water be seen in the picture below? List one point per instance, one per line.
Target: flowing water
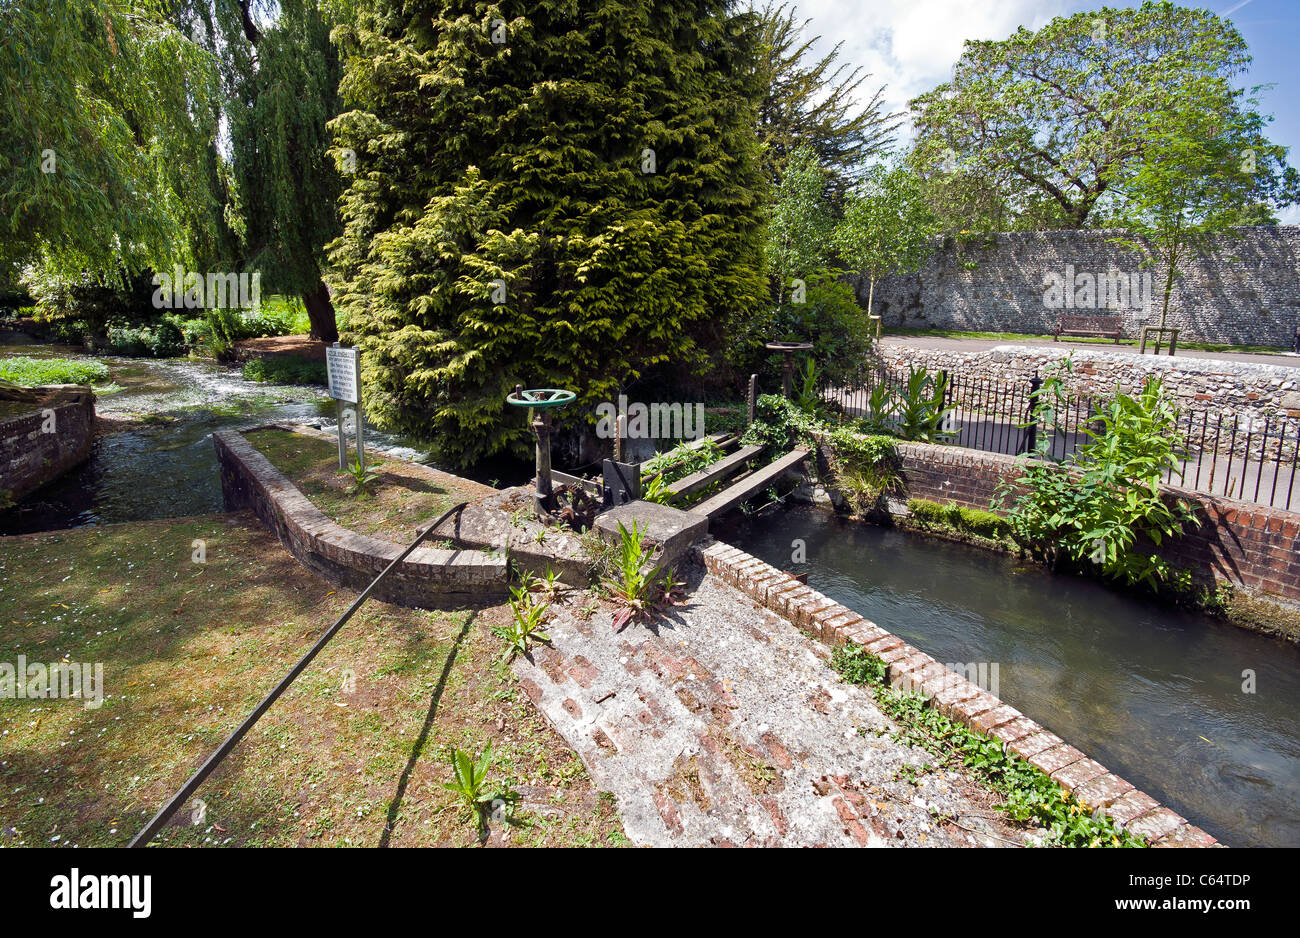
(1153, 693)
(163, 465)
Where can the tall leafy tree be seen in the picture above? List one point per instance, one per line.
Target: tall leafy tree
(1200, 174)
(887, 226)
(1051, 117)
(108, 122)
(798, 234)
(281, 76)
(815, 102)
(554, 193)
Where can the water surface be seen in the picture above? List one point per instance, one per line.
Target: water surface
(1153, 693)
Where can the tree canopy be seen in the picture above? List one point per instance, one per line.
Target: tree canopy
(814, 103)
(553, 194)
(1049, 119)
(108, 119)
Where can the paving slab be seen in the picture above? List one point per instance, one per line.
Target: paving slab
(720, 724)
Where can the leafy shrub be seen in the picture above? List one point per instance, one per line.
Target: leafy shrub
(159, 340)
(863, 467)
(780, 423)
(831, 319)
(31, 372)
(1098, 509)
(285, 371)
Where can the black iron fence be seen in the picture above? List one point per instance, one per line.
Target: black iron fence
(1247, 457)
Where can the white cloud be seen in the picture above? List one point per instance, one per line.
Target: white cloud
(911, 45)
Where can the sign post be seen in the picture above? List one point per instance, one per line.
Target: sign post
(343, 368)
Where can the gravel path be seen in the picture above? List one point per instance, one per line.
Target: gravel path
(945, 343)
(721, 724)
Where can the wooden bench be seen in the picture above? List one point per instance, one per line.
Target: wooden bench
(1088, 326)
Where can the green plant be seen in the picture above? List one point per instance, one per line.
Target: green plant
(285, 371)
(857, 665)
(1029, 795)
(657, 491)
(780, 424)
(470, 784)
(974, 521)
(1106, 508)
(682, 460)
(525, 627)
(630, 582)
(549, 582)
(363, 477)
(31, 372)
(808, 398)
(921, 406)
(863, 467)
(882, 402)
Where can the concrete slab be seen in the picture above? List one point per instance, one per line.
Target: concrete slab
(671, 530)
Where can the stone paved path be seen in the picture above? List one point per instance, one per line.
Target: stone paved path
(721, 724)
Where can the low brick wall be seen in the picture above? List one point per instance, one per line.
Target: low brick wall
(40, 445)
(428, 578)
(956, 697)
(1247, 546)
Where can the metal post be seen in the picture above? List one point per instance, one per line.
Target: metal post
(361, 434)
(343, 450)
(542, 428)
(620, 432)
(753, 397)
(787, 374)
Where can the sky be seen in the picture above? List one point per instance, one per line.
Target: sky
(911, 45)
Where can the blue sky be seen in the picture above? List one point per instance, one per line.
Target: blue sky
(910, 45)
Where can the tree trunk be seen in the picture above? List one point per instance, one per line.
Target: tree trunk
(321, 313)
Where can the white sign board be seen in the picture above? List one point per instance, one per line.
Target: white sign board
(343, 366)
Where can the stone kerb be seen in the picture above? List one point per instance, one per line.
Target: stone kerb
(430, 577)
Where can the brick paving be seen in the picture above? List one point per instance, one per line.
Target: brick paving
(721, 724)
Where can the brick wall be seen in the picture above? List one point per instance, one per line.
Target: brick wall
(428, 578)
(1246, 291)
(35, 450)
(1250, 547)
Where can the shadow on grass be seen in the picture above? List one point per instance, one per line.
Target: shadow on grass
(417, 749)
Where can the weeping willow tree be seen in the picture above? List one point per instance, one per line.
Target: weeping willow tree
(108, 122)
(281, 77)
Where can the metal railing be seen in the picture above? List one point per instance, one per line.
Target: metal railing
(1253, 459)
(177, 800)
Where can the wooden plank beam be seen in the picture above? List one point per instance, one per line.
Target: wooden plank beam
(712, 473)
(733, 495)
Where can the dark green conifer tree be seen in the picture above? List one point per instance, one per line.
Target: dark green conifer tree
(564, 193)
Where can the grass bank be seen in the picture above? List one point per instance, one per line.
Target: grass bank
(355, 753)
(401, 498)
